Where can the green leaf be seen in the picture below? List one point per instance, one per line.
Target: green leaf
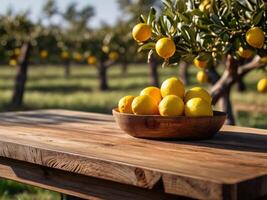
(149, 45)
(181, 6)
(216, 20)
(257, 17)
(142, 19)
(167, 3)
(151, 16)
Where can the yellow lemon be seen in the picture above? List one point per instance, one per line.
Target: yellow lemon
(255, 37)
(204, 5)
(125, 104)
(154, 92)
(171, 105)
(65, 55)
(105, 49)
(17, 51)
(200, 63)
(262, 85)
(113, 55)
(44, 54)
(12, 62)
(144, 105)
(202, 77)
(172, 86)
(198, 92)
(91, 60)
(141, 32)
(165, 47)
(198, 107)
(77, 56)
(244, 53)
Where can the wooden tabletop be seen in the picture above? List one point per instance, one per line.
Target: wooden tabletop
(232, 165)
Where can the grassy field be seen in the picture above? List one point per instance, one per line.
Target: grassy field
(48, 88)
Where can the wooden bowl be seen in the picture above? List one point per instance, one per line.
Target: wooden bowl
(159, 127)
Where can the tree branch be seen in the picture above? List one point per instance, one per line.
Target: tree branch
(255, 63)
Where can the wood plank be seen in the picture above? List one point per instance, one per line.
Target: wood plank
(76, 185)
(91, 144)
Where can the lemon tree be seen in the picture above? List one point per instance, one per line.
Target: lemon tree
(208, 33)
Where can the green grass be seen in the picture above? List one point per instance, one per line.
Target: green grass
(48, 88)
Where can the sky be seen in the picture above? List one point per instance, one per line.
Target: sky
(106, 10)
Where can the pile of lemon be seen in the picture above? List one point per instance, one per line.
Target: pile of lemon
(170, 99)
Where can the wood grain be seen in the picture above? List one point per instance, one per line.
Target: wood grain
(159, 127)
(74, 184)
(229, 166)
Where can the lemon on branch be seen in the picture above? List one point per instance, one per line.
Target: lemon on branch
(165, 47)
(200, 63)
(43, 54)
(262, 85)
(141, 32)
(202, 77)
(65, 55)
(91, 60)
(12, 62)
(255, 37)
(245, 53)
(113, 56)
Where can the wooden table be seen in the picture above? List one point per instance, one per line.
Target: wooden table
(88, 156)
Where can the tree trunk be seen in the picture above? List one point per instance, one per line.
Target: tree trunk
(67, 68)
(154, 71)
(124, 67)
(226, 106)
(21, 76)
(222, 87)
(102, 73)
(183, 72)
(241, 85)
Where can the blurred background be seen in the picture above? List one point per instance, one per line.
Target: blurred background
(80, 55)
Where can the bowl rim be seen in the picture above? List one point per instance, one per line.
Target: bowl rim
(218, 114)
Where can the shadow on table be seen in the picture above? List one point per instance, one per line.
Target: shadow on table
(41, 117)
(239, 141)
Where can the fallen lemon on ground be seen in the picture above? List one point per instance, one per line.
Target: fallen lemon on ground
(154, 92)
(144, 105)
(125, 104)
(262, 85)
(141, 32)
(198, 92)
(165, 47)
(172, 86)
(202, 77)
(172, 106)
(255, 37)
(196, 107)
